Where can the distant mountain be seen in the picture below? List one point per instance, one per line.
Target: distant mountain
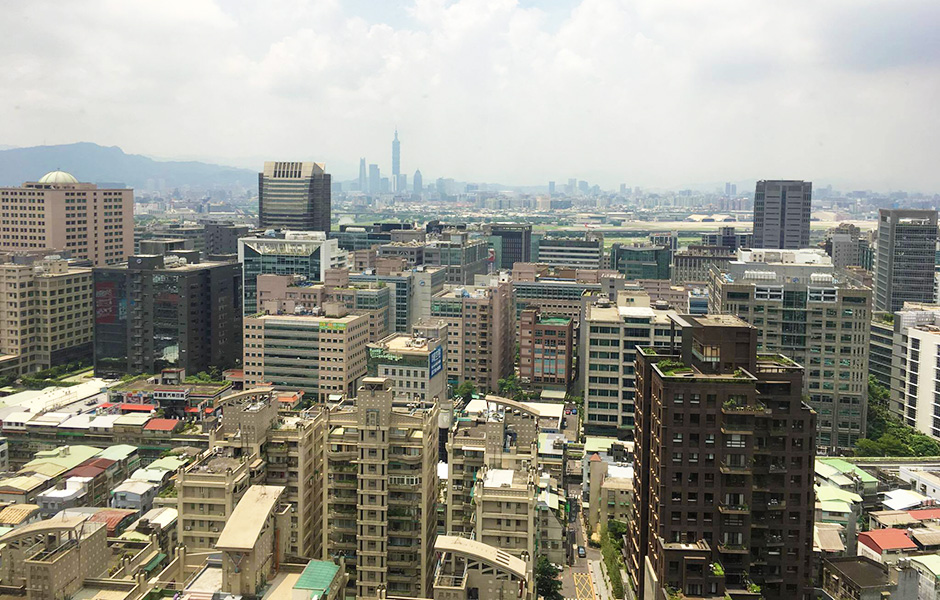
(93, 163)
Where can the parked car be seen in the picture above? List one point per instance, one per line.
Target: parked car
(567, 411)
(581, 552)
(574, 411)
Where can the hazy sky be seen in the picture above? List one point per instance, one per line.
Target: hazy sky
(647, 92)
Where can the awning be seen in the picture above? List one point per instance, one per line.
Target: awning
(154, 562)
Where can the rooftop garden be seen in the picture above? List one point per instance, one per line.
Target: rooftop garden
(673, 368)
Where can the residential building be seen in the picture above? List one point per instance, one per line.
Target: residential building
(381, 500)
(294, 195)
(641, 261)
(413, 363)
(47, 311)
(462, 258)
(881, 349)
(610, 333)
(505, 509)
(207, 491)
(559, 291)
(411, 291)
(511, 242)
(728, 238)
(723, 480)
(916, 354)
(59, 213)
(844, 245)
(308, 254)
(862, 578)
(580, 251)
(782, 214)
(159, 312)
(467, 566)
(480, 333)
(546, 349)
(321, 354)
(611, 493)
(804, 309)
(250, 544)
(692, 264)
(905, 258)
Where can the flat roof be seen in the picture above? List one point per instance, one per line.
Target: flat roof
(247, 520)
(317, 576)
(863, 572)
(489, 554)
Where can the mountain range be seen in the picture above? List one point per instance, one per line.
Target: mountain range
(92, 163)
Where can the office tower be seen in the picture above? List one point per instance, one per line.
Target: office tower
(161, 312)
(363, 181)
(782, 214)
(413, 363)
(610, 334)
(294, 195)
(381, 504)
(844, 245)
(560, 291)
(819, 318)
(193, 233)
(512, 243)
(639, 261)
(417, 183)
(396, 156)
(411, 291)
(481, 332)
(727, 188)
(47, 313)
(308, 254)
(690, 266)
(222, 238)
(728, 238)
(375, 179)
(546, 349)
(669, 239)
(322, 352)
(580, 251)
(723, 471)
(59, 213)
(401, 183)
(905, 258)
(462, 258)
(624, 189)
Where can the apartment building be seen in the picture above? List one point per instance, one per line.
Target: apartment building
(207, 491)
(467, 566)
(505, 507)
(158, 312)
(322, 352)
(546, 349)
(380, 497)
(809, 312)
(724, 458)
(610, 334)
(47, 311)
(916, 357)
(306, 253)
(59, 213)
(480, 332)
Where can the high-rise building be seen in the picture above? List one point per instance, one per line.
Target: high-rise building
(396, 156)
(914, 352)
(222, 238)
(363, 179)
(723, 472)
(905, 258)
(844, 245)
(413, 363)
(417, 183)
(160, 312)
(381, 500)
(512, 243)
(375, 179)
(782, 214)
(322, 352)
(47, 311)
(692, 264)
(580, 251)
(411, 290)
(610, 334)
(546, 349)
(728, 238)
(461, 257)
(59, 213)
(308, 254)
(551, 188)
(804, 309)
(481, 332)
(641, 261)
(294, 195)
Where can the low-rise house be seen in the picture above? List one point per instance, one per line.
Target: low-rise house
(134, 495)
(862, 578)
(928, 569)
(885, 545)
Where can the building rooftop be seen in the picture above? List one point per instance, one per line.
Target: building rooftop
(162, 425)
(504, 478)
(885, 540)
(930, 563)
(489, 554)
(317, 576)
(861, 571)
(247, 520)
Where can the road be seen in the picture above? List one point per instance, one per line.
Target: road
(583, 580)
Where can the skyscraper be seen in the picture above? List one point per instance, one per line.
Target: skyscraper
(418, 183)
(363, 182)
(396, 156)
(905, 258)
(294, 195)
(375, 179)
(781, 214)
(511, 241)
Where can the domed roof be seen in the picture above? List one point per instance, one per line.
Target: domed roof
(58, 177)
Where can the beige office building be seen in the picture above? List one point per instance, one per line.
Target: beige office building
(59, 213)
(321, 354)
(46, 311)
(380, 499)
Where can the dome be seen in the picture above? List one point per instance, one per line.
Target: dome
(58, 177)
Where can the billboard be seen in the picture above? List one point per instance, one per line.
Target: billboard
(105, 302)
(435, 362)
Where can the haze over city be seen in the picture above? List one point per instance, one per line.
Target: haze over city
(657, 94)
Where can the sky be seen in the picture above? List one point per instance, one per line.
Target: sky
(651, 93)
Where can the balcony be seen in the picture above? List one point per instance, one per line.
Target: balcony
(734, 469)
(734, 509)
(732, 548)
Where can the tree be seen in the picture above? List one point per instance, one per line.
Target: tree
(465, 391)
(510, 387)
(547, 583)
(865, 447)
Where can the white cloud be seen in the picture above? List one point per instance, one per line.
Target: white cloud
(646, 92)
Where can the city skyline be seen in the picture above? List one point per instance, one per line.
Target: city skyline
(515, 92)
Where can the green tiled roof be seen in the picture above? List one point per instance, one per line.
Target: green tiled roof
(317, 576)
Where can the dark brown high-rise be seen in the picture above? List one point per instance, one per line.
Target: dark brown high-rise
(724, 468)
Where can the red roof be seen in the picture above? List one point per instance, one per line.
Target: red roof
(102, 463)
(161, 424)
(882, 540)
(925, 514)
(137, 407)
(596, 457)
(106, 405)
(85, 471)
(112, 517)
(191, 409)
